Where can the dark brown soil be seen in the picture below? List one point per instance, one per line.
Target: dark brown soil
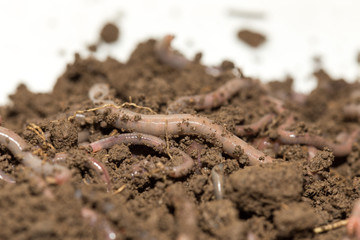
(252, 38)
(109, 33)
(286, 199)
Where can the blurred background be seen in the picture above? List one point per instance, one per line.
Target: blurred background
(39, 37)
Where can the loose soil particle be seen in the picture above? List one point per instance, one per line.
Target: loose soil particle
(110, 33)
(282, 200)
(252, 38)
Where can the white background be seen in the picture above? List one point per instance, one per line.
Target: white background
(39, 37)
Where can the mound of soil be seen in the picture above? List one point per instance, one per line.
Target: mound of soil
(302, 189)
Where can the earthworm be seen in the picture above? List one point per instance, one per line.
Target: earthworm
(263, 143)
(101, 170)
(59, 157)
(217, 176)
(311, 152)
(186, 124)
(150, 141)
(185, 212)
(212, 99)
(98, 92)
(6, 178)
(352, 111)
(279, 105)
(253, 128)
(339, 150)
(18, 147)
(95, 220)
(353, 224)
(167, 56)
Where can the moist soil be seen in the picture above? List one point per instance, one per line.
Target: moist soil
(286, 199)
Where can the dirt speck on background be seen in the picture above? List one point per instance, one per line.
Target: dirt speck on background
(302, 189)
(251, 38)
(110, 33)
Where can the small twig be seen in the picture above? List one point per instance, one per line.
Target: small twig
(38, 131)
(119, 190)
(126, 104)
(330, 226)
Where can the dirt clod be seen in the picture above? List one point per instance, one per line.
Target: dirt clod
(109, 33)
(252, 38)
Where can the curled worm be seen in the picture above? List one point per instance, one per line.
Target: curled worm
(150, 141)
(18, 147)
(212, 99)
(167, 56)
(339, 150)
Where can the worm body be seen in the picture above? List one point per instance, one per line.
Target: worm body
(95, 220)
(18, 147)
(185, 212)
(101, 170)
(253, 128)
(339, 150)
(187, 124)
(150, 141)
(6, 178)
(217, 176)
(353, 224)
(167, 56)
(352, 111)
(212, 99)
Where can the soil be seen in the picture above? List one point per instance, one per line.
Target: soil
(109, 33)
(286, 199)
(251, 38)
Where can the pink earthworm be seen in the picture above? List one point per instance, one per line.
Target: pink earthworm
(6, 178)
(185, 212)
(353, 224)
(148, 140)
(311, 152)
(253, 128)
(339, 150)
(186, 124)
(95, 220)
(60, 157)
(352, 111)
(167, 56)
(101, 170)
(18, 147)
(210, 100)
(217, 176)
(279, 105)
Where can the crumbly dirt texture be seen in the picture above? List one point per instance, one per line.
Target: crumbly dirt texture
(251, 38)
(286, 199)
